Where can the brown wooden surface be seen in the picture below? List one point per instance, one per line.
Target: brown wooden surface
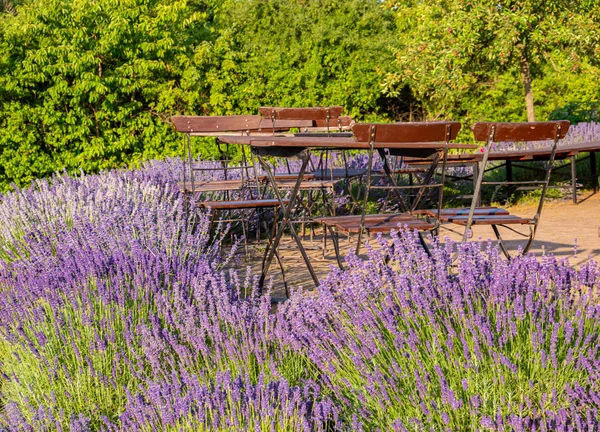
(385, 226)
(512, 132)
(199, 124)
(266, 125)
(231, 205)
(306, 185)
(491, 220)
(406, 132)
(540, 154)
(211, 186)
(333, 220)
(342, 143)
(334, 123)
(449, 212)
(284, 177)
(308, 113)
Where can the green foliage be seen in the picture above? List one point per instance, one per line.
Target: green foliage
(301, 53)
(89, 84)
(464, 58)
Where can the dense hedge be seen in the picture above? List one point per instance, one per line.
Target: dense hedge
(91, 85)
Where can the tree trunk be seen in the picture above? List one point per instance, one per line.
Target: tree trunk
(526, 76)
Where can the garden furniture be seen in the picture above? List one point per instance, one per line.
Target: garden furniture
(405, 139)
(514, 133)
(248, 183)
(515, 158)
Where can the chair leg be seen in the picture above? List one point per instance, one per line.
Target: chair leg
(336, 247)
(532, 229)
(324, 240)
(501, 242)
(245, 233)
(285, 284)
(574, 178)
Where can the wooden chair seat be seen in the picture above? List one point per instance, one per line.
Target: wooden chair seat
(333, 220)
(234, 205)
(375, 226)
(212, 185)
(307, 184)
(376, 223)
(286, 177)
(492, 220)
(450, 213)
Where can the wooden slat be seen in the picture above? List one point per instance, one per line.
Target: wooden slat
(492, 220)
(331, 142)
(212, 185)
(307, 185)
(406, 132)
(335, 142)
(334, 123)
(284, 177)
(515, 132)
(308, 113)
(451, 212)
(199, 124)
(562, 152)
(232, 205)
(281, 125)
(333, 220)
(387, 226)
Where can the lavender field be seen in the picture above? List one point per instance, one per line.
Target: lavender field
(118, 314)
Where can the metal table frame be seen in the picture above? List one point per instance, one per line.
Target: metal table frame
(301, 146)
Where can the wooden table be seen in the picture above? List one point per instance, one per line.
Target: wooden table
(300, 146)
(509, 157)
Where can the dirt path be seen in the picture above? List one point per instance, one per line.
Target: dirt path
(563, 224)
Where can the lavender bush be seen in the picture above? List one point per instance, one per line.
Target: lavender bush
(105, 289)
(117, 313)
(417, 343)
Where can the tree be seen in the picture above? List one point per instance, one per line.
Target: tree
(301, 53)
(90, 84)
(452, 48)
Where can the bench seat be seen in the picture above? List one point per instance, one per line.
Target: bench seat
(212, 185)
(450, 213)
(234, 205)
(376, 223)
(492, 220)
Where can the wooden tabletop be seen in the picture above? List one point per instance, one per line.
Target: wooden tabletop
(333, 142)
(538, 154)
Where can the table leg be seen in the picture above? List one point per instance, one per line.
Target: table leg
(594, 171)
(574, 178)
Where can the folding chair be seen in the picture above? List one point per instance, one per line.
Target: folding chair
(427, 140)
(246, 183)
(497, 217)
(313, 120)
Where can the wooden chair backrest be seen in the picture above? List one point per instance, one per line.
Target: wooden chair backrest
(341, 121)
(199, 124)
(517, 132)
(266, 125)
(406, 132)
(310, 113)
